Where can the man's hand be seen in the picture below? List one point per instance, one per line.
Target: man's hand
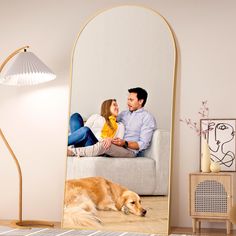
(107, 142)
(118, 142)
(121, 142)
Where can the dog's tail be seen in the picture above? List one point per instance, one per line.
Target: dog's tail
(78, 217)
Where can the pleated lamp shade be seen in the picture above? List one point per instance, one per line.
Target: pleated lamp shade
(27, 69)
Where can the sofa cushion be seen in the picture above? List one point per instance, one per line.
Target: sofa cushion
(139, 176)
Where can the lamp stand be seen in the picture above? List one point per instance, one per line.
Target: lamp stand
(20, 222)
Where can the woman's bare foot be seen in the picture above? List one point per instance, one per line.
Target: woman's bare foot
(70, 153)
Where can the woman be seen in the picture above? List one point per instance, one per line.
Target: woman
(98, 127)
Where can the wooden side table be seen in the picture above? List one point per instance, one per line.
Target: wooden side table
(211, 196)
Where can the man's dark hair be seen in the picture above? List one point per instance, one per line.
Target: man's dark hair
(141, 94)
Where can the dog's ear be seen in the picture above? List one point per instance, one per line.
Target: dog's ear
(120, 202)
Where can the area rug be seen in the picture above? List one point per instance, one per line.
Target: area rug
(59, 232)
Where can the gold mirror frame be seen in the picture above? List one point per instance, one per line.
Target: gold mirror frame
(173, 87)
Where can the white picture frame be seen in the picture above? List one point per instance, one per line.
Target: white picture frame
(220, 136)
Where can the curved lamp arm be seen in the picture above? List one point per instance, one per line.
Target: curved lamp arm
(10, 56)
(20, 222)
(19, 173)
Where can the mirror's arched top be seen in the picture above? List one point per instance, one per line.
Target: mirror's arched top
(125, 46)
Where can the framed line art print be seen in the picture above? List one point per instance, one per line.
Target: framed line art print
(220, 136)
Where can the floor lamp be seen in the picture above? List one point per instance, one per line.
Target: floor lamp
(27, 69)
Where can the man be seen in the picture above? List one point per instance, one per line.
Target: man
(139, 127)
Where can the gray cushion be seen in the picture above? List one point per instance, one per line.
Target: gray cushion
(129, 172)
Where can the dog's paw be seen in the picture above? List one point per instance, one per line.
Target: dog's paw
(125, 209)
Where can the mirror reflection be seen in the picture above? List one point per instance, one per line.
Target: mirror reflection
(120, 123)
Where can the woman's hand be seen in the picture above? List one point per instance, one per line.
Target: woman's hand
(107, 142)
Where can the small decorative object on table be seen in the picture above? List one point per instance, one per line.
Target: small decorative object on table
(206, 157)
(215, 167)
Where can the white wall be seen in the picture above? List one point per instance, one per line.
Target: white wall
(34, 119)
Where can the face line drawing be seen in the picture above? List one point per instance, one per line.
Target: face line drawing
(228, 156)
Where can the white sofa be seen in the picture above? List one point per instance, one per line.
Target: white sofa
(146, 175)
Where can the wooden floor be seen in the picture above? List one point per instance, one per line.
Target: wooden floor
(205, 232)
(174, 230)
(155, 221)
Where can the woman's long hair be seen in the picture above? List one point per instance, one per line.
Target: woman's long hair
(106, 112)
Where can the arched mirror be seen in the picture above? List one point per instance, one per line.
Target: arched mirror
(121, 48)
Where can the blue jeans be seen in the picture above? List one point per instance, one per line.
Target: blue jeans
(81, 136)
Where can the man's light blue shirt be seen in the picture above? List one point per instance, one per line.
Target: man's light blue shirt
(139, 127)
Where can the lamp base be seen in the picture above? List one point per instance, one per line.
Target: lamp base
(31, 224)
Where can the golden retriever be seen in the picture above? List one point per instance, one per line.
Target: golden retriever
(83, 197)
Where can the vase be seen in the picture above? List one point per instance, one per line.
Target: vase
(206, 157)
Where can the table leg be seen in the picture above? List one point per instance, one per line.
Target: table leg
(199, 225)
(228, 226)
(194, 225)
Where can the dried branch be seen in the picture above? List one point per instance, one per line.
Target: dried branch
(195, 126)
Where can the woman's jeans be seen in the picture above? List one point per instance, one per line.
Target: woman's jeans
(81, 136)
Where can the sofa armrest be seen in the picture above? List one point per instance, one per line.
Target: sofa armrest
(160, 145)
(159, 150)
